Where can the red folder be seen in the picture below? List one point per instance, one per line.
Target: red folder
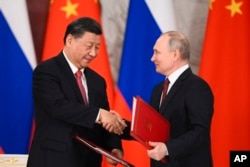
(102, 151)
(147, 124)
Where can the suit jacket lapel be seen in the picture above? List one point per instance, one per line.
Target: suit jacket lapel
(90, 86)
(69, 76)
(174, 90)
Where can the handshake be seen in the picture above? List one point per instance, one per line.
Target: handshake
(111, 121)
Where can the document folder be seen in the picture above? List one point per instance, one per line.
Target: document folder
(102, 151)
(147, 124)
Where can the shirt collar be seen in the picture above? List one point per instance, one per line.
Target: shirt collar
(73, 68)
(175, 75)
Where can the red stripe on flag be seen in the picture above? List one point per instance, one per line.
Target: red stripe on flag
(1, 150)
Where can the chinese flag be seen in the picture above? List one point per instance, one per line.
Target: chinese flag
(61, 13)
(225, 65)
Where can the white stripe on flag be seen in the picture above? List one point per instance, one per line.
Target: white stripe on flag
(163, 13)
(16, 14)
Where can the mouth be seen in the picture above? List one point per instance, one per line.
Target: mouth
(88, 59)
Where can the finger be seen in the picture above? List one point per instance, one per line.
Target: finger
(112, 162)
(119, 128)
(118, 131)
(123, 124)
(152, 143)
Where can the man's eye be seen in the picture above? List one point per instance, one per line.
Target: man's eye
(88, 46)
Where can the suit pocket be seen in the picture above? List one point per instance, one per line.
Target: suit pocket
(54, 145)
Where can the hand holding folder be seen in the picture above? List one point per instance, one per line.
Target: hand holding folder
(147, 124)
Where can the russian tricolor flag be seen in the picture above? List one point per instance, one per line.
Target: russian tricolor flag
(17, 61)
(146, 21)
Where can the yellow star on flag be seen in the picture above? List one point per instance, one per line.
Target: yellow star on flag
(234, 7)
(211, 3)
(70, 9)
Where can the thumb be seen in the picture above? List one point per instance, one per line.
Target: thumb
(152, 144)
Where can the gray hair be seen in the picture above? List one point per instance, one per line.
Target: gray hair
(179, 41)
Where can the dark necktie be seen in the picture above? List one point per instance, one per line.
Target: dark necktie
(164, 91)
(78, 75)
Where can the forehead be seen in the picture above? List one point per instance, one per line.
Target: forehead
(90, 37)
(161, 42)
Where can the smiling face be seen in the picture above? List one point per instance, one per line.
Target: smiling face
(82, 50)
(163, 58)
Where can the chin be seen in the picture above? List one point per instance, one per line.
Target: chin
(85, 64)
(157, 70)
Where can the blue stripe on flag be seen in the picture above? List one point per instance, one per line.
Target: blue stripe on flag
(16, 108)
(137, 73)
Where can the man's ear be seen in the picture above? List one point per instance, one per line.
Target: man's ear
(69, 39)
(176, 53)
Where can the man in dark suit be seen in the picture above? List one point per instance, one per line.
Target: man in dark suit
(61, 110)
(188, 106)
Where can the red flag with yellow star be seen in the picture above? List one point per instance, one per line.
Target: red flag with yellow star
(225, 64)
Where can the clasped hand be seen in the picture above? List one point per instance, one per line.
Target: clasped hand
(112, 121)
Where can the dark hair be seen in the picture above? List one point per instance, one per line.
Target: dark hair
(79, 26)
